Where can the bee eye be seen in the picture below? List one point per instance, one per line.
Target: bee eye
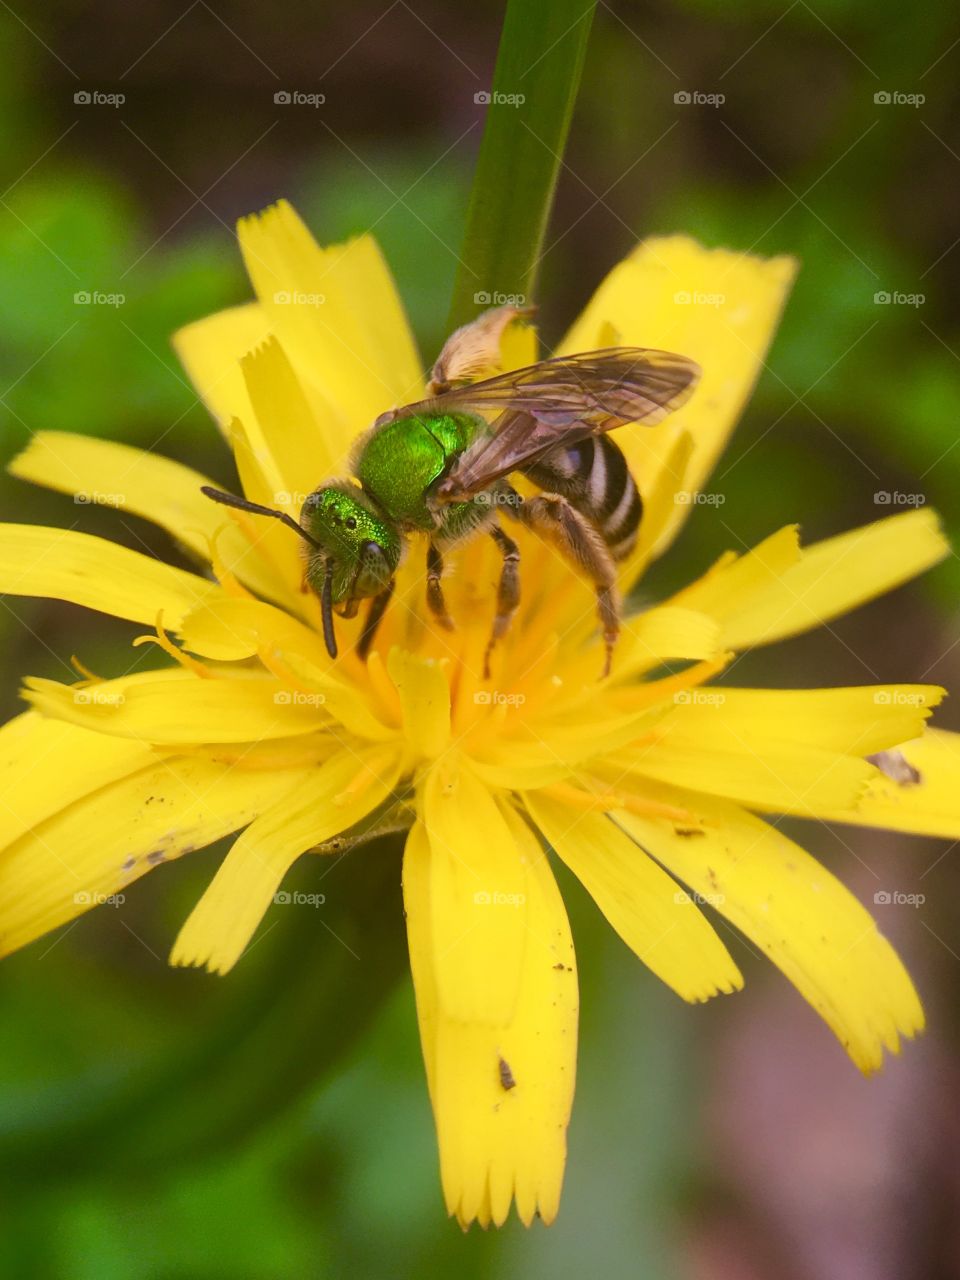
(350, 522)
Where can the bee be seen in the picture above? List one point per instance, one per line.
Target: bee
(440, 467)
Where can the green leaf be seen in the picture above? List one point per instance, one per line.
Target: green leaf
(275, 1032)
(539, 63)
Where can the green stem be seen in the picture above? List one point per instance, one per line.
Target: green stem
(535, 84)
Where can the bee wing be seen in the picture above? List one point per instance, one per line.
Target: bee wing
(561, 401)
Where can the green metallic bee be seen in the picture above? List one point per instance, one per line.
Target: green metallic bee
(438, 467)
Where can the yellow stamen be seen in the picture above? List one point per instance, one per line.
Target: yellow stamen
(228, 580)
(604, 801)
(84, 670)
(185, 660)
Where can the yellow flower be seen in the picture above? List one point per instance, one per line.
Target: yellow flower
(648, 785)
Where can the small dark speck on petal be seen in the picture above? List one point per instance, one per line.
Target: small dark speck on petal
(506, 1075)
(128, 863)
(156, 857)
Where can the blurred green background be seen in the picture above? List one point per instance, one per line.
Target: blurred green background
(171, 1125)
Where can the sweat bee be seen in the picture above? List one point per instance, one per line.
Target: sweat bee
(439, 467)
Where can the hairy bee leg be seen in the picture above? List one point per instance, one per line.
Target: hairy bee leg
(554, 518)
(435, 600)
(378, 607)
(508, 592)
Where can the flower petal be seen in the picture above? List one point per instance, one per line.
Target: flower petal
(286, 424)
(325, 802)
(647, 908)
(928, 806)
(856, 721)
(149, 485)
(175, 707)
(237, 629)
(338, 316)
(478, 887)
(424, 695)
(776, 777)
(718, 307)
(34, 749)
(782, 751)
(211, 349)
(762, 596)
(104, 841)
(501, 1095)
(60, 564)
(809, 925)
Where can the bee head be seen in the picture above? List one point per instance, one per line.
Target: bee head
(351, 550)
(355, 552)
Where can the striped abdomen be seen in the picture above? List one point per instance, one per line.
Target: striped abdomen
(594, 477)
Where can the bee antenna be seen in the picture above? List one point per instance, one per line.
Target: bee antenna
(326, 610)
(243, 504)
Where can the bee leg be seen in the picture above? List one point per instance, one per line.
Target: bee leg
(554, 518)
(378, 607)
(435, 598)
(508, 592)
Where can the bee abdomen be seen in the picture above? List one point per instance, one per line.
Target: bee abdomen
(593, 475)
